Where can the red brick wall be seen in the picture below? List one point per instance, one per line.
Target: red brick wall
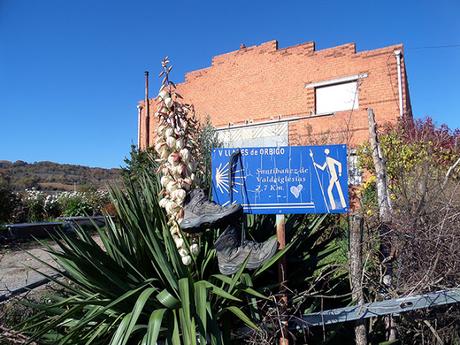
(263, 82)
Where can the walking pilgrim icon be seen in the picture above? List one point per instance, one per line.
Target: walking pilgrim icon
(333, 167)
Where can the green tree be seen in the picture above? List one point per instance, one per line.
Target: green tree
(207, 141)
(139, 163)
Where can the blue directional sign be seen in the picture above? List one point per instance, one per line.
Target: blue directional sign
(282, 180)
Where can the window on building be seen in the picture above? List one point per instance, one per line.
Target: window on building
(337, 97)
(273, 134)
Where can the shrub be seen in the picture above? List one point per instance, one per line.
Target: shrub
(98, 199)
(74, 204)
(51, 206)
(409, 143)
(10, 203)
(34, 202)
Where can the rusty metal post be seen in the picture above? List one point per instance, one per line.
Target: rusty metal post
(139, 122)
(283, 300)
(147, 111)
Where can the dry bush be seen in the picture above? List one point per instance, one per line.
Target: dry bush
(427, 235)
(422, 164)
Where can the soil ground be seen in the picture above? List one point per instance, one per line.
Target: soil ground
(18, 265)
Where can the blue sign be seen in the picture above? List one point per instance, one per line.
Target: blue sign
(287, 179)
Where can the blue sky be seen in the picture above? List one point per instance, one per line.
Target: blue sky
(71, 72)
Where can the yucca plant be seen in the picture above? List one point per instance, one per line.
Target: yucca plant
(132, 288)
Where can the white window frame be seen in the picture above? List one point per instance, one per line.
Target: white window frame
(337, 81)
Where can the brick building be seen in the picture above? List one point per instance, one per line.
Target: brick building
(266, 96)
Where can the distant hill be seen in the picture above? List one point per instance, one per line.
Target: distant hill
(54, 176)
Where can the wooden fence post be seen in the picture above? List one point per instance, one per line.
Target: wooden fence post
(283, 300)
(384, 212)
(356, 226)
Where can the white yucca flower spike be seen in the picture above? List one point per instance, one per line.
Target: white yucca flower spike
(185, 154)
(176, 127)
(179, 195)
(164, 170)
(175, 231)
(163, 94)
(171, 206)
(169, 102)
(163, 202)
(177, 170)
(174, 158)
(160, 131)
(186, 260)
(171, 142)
(179, 242)
(180, 143)
(172, 186)
(169, 132)
(165, 180)
(194, 249)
